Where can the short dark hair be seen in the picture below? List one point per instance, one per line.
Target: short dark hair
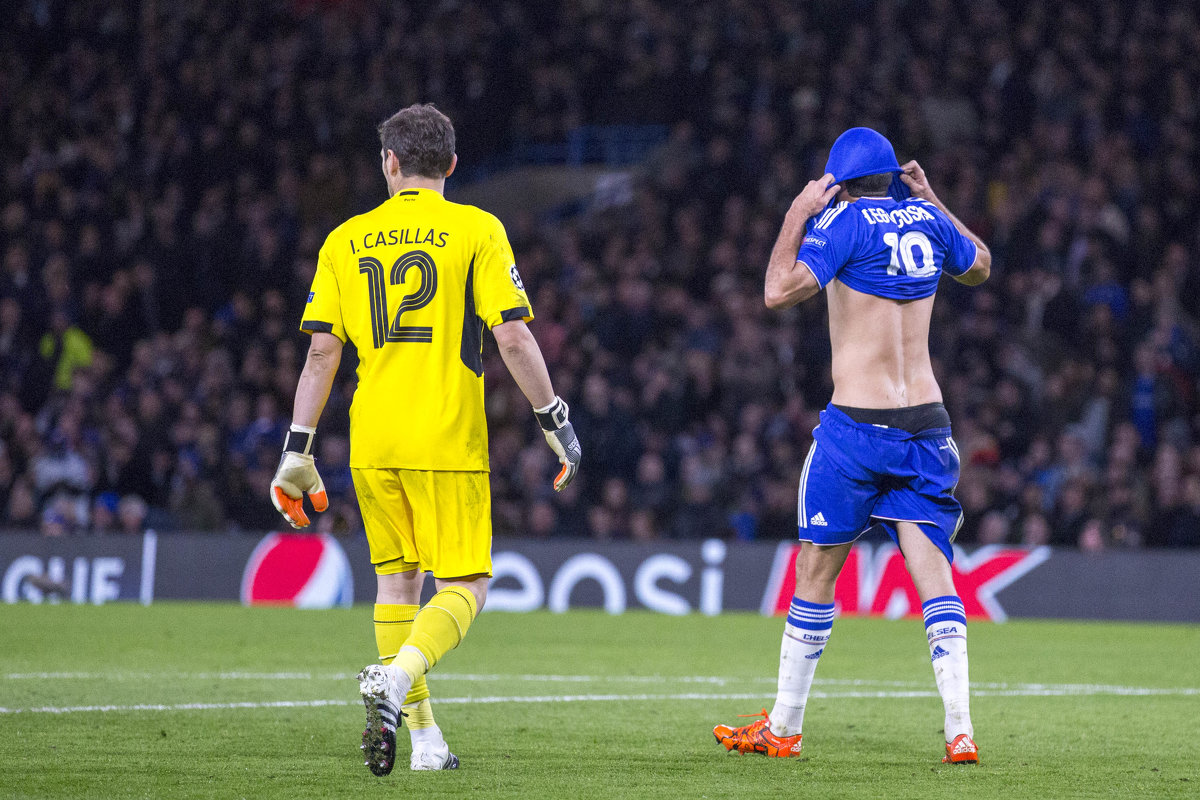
(422, 139)
(869, 185)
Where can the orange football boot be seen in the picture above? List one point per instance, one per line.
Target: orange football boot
(757, 738)
(962, 750)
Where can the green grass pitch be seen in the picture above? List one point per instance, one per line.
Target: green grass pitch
(581, 705)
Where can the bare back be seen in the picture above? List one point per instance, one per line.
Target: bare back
(880, 350)
(880, 261)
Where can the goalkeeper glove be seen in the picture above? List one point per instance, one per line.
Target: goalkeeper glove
(560, 435)
(296, 475)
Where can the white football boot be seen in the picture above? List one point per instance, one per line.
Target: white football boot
(431, 756)
(383, 691)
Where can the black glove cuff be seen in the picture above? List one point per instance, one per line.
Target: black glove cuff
(299, 442)
(553, 416)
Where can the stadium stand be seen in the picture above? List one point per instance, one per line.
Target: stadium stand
(168, 171)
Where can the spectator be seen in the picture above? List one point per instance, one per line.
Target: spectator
(65, 349)
(104, 513)
(164, 202)
(131, 513)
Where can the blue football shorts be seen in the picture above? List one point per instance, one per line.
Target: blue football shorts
(857, 474)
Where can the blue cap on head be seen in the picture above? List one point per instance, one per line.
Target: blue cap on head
(862, 151)
(108, 501)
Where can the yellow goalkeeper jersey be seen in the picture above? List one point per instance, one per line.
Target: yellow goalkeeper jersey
(412, 283)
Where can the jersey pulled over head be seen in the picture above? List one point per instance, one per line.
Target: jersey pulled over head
(862, 151)
(895, 246)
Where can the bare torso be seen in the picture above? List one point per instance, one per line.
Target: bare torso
(880, 350)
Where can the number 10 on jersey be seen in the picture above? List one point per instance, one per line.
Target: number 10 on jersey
(902, 249)
(381, 332)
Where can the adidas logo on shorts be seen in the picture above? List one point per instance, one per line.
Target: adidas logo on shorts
(818, 519)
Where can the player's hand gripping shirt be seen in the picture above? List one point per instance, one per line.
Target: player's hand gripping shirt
(412, 283)
(884, 247)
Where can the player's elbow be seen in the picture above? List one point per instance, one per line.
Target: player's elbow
(775, 299)
(512, 337)
(981, 270)
(325, 349)
(803, 286)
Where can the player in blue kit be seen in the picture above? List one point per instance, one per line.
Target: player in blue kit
(877, 238)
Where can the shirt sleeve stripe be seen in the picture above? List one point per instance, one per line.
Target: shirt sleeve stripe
(828, 219)
(315, 326)
(957, 270)
(808, 267)
(520, 312)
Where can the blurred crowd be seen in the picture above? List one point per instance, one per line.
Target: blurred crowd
(169, 170)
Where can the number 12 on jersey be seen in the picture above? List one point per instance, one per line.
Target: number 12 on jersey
(381, 332)
(902, 249)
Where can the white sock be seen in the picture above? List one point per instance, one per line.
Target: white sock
(946, 631)
(804, 638)
(430, 736)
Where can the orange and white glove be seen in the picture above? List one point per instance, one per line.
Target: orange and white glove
(560, 435)
(296, 475)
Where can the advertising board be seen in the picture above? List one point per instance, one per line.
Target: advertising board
(670, 577)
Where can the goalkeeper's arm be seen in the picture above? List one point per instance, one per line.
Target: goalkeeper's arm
(297, 471)
(524, 360)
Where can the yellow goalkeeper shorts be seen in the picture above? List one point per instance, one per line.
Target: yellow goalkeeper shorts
(434, 521)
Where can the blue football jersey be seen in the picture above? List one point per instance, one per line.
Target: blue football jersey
(886, 248)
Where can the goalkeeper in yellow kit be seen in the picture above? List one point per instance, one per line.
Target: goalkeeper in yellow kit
(412, 284)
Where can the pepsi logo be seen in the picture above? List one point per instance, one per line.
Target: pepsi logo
(298, 569)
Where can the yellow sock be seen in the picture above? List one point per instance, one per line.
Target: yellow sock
(438, 629)
(393, 624)
(420, 714)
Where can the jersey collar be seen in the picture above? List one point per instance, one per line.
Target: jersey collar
(424, 194)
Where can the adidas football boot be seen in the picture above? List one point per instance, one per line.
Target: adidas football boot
(432, 757)
(961, 751)
(382, 695)
(757, 738)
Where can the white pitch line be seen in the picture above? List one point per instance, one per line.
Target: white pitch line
(714, 680)
(979, 688)
(197, 676)
(176, 707)
(1033, 691)
(440, 676)
(469, 677)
